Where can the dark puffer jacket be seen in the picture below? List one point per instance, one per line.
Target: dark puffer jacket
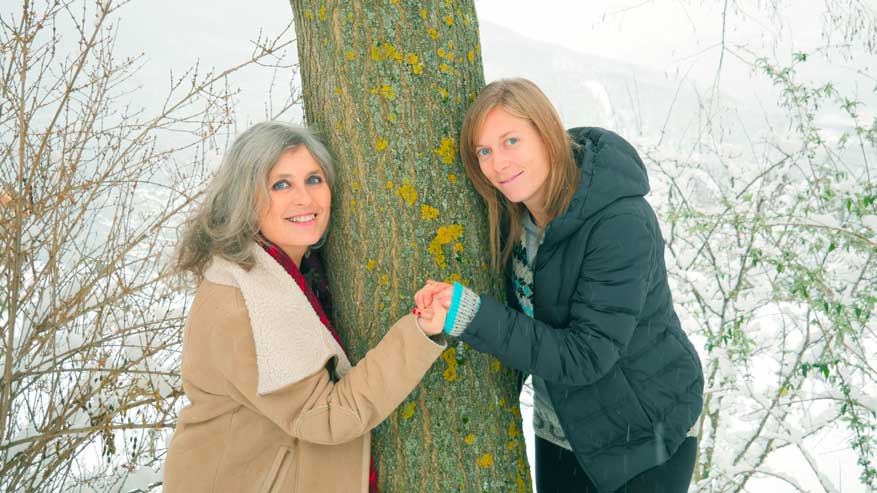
(624, 379)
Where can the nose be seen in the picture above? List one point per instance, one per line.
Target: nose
(301, 197)
(501, 160)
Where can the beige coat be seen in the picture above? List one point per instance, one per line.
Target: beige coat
(264, 414)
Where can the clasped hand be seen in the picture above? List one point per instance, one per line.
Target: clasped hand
(432, 303)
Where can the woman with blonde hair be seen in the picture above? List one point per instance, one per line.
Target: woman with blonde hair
(275, 405)
(618, 387)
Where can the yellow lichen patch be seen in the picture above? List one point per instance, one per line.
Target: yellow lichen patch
(408, 410)
(502, 402)
(447, 150)
(513, 430)
(371, 265)
(417, 69)
(469, 439)
(381, 144)
(377, 53)
(355, 185)
(423, 14)
(387, 91)
(385, 51)
(450, 45)
(411, 58)
(486, 460)
(389, 185)
(428, 212)
(512, 445)
(323, 14)
(444, 67)
(450, 357)
(391, 117)
(451, 279)
(447, 234)
(471, 56)
(443, 92)
(458, 248)
(308, 14)
(350, 55)
(385, 280)
(408, 193)
(452, 178)
(432, 33)
(444, 235)
(338, 126)
(440, 52)
(337, 90)
(521, 485)
(449, 20)
(495, 366)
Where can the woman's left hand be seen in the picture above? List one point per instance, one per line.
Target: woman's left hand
(432, 320)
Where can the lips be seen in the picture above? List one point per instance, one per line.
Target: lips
(303, 219)
(511, 179)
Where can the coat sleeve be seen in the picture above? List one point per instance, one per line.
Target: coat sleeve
(609, 295)
(315, 409)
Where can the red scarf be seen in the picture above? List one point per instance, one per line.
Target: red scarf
(283, 259)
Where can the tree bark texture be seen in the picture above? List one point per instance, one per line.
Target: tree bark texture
(387, 84)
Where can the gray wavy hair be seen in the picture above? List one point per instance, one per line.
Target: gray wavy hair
(227, 222)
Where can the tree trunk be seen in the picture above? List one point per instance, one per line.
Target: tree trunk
(387, 84)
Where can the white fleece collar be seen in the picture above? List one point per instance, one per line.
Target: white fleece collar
(291, 341)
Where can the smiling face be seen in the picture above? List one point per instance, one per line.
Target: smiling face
(513, 158)
(297, 212)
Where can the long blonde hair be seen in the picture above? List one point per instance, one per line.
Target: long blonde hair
(227, 222)
(520, 98)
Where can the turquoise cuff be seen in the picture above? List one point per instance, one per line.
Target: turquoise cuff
(451, 318)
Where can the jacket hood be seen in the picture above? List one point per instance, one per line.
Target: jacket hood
(611, 170)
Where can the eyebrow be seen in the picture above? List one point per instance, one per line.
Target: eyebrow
(315, 171)
(501, 137)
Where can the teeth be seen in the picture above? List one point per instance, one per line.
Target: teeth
(302, 219)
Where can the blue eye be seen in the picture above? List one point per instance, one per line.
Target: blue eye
(511, 141)
(483, 152)
(280, 185)
(314, 180)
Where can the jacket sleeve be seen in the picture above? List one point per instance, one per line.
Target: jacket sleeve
(609, 294)
(315, 409)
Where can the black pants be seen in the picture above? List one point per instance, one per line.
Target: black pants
(558, 471)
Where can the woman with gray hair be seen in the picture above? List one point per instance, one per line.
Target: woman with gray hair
(275, 405)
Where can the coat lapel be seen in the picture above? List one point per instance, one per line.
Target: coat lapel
(291, 342)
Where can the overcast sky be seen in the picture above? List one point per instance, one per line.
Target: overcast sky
(677, 37)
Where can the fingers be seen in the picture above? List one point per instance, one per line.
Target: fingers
(424, 296)
(444, 299)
